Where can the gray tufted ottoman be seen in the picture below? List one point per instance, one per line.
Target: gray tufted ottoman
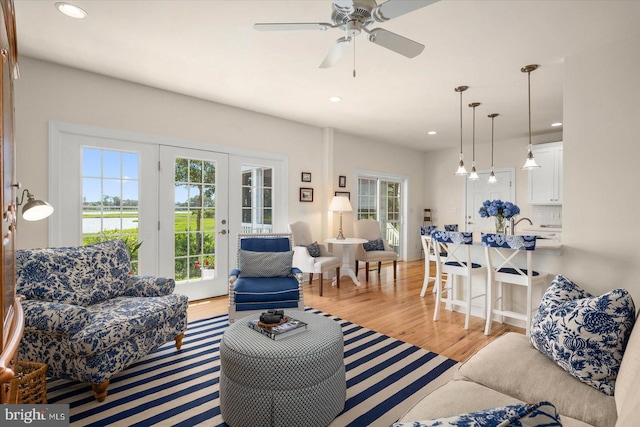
(296, 381)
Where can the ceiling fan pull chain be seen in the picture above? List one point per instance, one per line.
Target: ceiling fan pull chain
(354, 57)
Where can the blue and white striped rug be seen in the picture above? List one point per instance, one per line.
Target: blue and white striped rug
(385, 378)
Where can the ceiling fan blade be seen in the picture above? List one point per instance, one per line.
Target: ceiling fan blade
(395, 42)
(394, 8)
(293, 26)
(336, 52)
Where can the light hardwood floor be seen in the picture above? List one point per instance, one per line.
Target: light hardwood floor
(394, 309)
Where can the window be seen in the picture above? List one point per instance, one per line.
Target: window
(110, 203)
(380, 199)
(257, 199)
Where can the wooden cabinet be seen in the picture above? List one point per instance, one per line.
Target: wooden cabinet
(12, 321)
(545, 183)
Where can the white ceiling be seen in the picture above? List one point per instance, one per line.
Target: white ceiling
(208, 49)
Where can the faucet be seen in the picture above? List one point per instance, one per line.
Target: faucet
(512, 225)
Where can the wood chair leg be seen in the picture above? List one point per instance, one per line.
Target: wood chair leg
(100, 390)
(357, 268)
(395, 269)
(179, 341)
(366, 271)
(310, 278)
(338, 277)
(321, 282)
(379, 267)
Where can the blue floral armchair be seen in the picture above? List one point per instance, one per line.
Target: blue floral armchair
(87, 318)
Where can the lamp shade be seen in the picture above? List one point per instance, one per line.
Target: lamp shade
(35, 210)
(340, 204)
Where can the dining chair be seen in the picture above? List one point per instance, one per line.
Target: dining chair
(501, 251)
(376, 249)
(310, 256)
(453, 254)
(429, 255)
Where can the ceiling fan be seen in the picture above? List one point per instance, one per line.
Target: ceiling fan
(355, 16)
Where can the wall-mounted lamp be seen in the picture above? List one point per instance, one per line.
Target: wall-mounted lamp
(340, 204)
(34, 210)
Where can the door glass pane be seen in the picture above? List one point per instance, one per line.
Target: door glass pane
(194, 219)
(110, 198)
(257, 199)
(379, 199)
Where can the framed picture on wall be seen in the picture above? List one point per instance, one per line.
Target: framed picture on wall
(343, 194)
(306, 194)
(342, 181)
(306, 177)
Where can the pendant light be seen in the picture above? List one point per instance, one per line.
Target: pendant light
(492, 175)
(462, 171)
(474, 175)
(531, 162)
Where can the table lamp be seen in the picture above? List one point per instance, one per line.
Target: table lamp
(340, 204)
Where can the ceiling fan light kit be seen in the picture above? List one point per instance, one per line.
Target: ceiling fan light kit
(356, 16)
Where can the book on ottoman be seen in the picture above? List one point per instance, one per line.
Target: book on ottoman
(288, 327)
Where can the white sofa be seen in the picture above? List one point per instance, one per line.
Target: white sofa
(510, 370)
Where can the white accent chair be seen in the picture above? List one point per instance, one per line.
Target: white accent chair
(369, 229)
(453, 253)
(301, 233)
(501, 251)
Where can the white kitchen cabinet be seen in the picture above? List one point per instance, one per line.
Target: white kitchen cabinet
(545, 182)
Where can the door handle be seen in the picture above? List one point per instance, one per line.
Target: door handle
(223, 232)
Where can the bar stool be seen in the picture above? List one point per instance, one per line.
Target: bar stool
(453, 254)
(504, 248)
(429, 255)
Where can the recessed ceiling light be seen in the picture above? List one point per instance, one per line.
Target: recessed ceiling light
(335, 99)
(556, 124)
(71, 10)
(432, 132)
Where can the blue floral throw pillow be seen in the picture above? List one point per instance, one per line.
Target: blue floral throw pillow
(374, 245)
(586, 335)
(522, 415)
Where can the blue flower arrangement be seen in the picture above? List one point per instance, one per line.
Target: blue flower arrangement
(498, 208)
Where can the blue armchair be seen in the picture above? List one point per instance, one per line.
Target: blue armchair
(87, 318)
(265, 278)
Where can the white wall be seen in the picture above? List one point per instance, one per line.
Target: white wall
(47, 91)
(601, 158)
(354, 153)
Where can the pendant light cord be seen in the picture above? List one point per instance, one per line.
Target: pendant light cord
(529, 94)
(460, 124)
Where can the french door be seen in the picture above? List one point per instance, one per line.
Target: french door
(173, 198)
(194, 220)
